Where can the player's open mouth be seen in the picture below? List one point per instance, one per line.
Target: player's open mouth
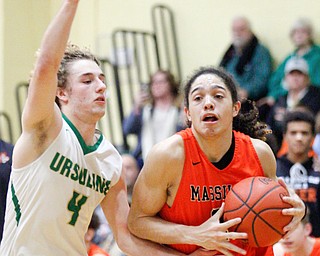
(209, 118)
(100, 99)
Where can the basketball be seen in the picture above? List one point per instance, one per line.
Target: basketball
(258, 202)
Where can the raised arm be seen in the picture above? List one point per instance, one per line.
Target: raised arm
(41, 119)
(43, 85)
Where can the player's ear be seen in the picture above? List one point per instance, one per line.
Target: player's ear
(236, 108)
(62, 94)
(307, 229)
(187, 114)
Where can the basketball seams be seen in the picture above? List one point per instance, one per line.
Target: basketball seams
(244, 203)
(250, 209)
(257, 215)
(249, 199)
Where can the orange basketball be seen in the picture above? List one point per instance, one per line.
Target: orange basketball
(258, 201)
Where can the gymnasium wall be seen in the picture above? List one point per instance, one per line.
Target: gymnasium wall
(203, 31)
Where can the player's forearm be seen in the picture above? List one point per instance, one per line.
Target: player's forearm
(56, 36)
(160, 231)
(134, 246)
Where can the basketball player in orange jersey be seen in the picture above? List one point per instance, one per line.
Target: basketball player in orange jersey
(179, 196)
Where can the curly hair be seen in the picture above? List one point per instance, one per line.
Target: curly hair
(71, 54)
(247, 120)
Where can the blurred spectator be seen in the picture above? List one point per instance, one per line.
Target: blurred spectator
(5, 170)
(131, 170)
(300, 93)
(104, 237)
(296, 167)
(92, 248)
(316, 143)
(247, 60)
(302, 37)
(155, 115)
(299, 242)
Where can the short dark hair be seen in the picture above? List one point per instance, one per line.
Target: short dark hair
(299, 115)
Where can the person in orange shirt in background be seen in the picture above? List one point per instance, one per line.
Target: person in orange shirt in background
(92, 248)
(299, 242)
(296, 167)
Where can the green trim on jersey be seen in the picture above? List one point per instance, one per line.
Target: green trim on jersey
(16, 204)
(86, 149)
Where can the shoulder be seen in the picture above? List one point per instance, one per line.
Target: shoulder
(315, 49)
(266, 157)
(165, 160)
(110, 159)
(261, 147)
(171, 149)
(314, 89)
(317, 243)
(263, 49)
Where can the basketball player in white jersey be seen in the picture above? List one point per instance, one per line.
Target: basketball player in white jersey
(62, 166)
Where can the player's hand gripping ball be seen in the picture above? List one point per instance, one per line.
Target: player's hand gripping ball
(258, 202)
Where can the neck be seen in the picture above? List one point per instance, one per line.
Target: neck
(238, 50)
(294, 94)
(297, 158)
(216, 146)
(86, 127)
(303, 49)
(164, 102)
(306, 249)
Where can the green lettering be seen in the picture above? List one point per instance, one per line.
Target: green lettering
(55, 167)
(83, 176)
(75, 175)
(67, 166)
(106, 188)
(99, 184)
(89, 184)
(94, 181)
(16, 204)
(75, 205)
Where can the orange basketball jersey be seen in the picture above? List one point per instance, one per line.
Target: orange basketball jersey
(203, 187)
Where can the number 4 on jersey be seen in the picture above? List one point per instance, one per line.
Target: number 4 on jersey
(75, 205)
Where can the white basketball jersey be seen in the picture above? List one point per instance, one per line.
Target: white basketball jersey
(50, 202)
